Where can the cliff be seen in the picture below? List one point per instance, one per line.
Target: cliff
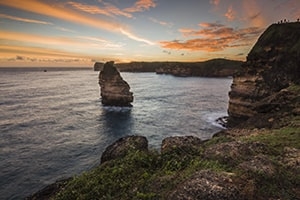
(272, 65)
(114, 90)
(210, 68)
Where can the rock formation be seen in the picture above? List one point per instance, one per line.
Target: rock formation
(98, 66)
(114, 90)
(123, 146)
(272, 65)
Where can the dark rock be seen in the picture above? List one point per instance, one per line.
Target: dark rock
(98, 66)
(114, 90)
(123, 146)
(259, 164)
(180, 144)
(222, 121)
(208, 185)
(49, 191)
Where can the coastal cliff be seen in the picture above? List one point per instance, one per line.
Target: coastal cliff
(272, 65)
(114, 90)
(211, 68)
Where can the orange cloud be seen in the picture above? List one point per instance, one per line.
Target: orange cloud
(141, 5)
(23, 19)
(230, 14)
(42, 8)
(214, 37)
(252, 12)
(73, 43)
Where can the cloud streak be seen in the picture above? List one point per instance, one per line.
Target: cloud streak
(23, 19)
(65, 14)
(80, 42)
(108, 10)
(213, 37)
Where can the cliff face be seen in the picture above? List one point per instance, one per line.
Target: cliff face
(114, 90)
(272, 65)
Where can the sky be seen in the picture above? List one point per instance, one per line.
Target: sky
(80, 32)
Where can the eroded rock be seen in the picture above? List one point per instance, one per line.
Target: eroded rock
(114, 90)
(180, 144)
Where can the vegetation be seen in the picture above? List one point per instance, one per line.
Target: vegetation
(151, 175)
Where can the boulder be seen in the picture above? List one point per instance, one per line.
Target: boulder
(114, 90)
(180, 144)
(124, 146)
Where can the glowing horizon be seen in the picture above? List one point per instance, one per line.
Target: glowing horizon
(78, 33)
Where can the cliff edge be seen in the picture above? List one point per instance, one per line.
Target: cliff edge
(272, 66)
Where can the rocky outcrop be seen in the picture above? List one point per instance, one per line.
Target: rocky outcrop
(98, 66)
(123, 146)
(180, 144)
(272, 65)
(114, 90)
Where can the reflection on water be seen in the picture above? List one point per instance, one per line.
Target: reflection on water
(117, 122)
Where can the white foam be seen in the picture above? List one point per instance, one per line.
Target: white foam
(213, 117)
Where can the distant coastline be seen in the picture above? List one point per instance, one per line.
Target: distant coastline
(43, 68)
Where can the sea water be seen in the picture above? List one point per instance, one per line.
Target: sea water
(53, 126)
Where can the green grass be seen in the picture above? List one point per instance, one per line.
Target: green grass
(138, 175)
(280, 138)
(151, 175)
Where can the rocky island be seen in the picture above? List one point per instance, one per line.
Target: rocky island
(258, 157)
(114, 90)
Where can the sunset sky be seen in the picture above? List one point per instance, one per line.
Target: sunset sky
(80, 32)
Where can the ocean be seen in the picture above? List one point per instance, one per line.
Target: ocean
(53, 125)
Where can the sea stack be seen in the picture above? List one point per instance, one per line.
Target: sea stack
(260, 88)
(114, 90)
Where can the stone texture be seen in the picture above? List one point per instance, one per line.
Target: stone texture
(123, 146)
(114, 90)
(272, 65)
(180, 144)
(207, 185)
(234, 152)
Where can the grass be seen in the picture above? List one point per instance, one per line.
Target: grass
(151, 175)
(138, 175)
